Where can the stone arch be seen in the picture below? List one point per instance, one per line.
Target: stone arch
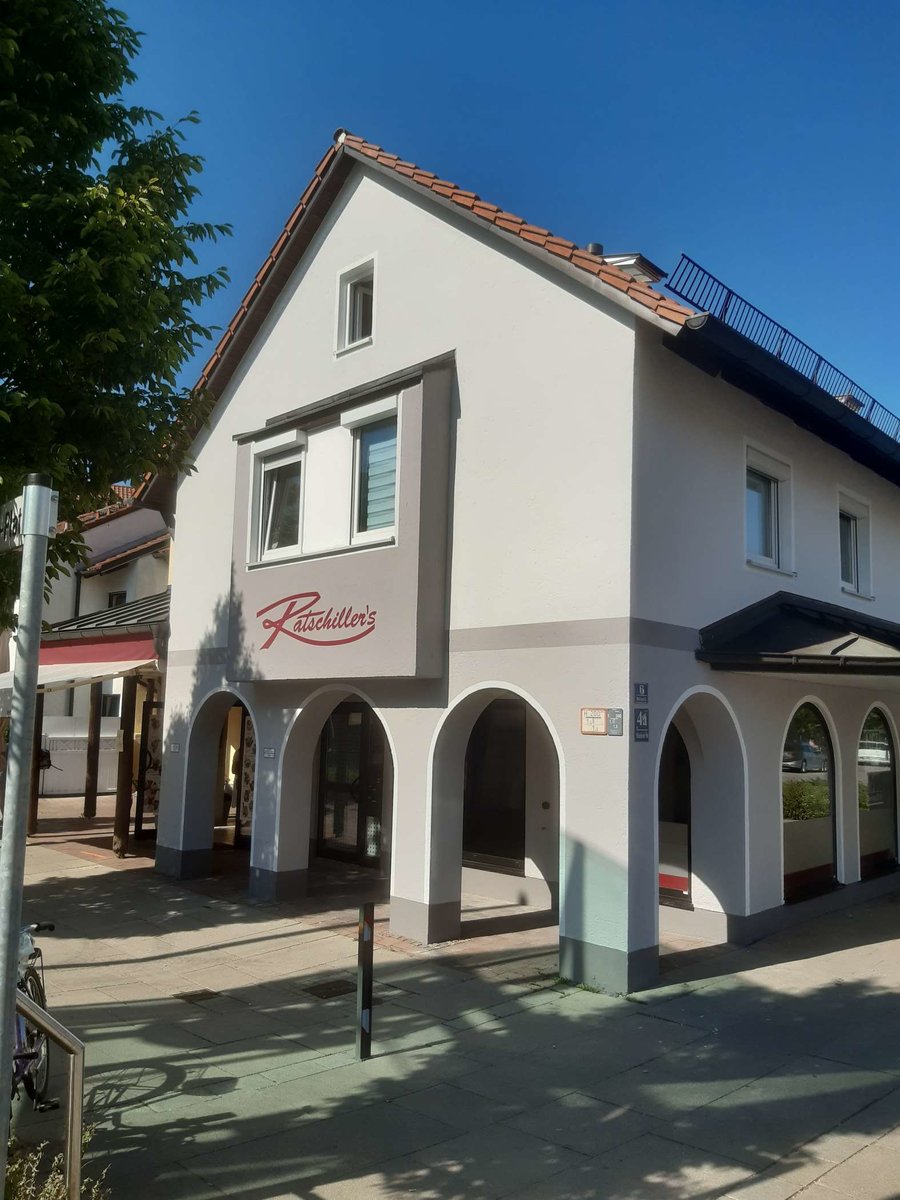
(447, 785)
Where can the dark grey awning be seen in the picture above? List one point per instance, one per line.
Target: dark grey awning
(795, 634)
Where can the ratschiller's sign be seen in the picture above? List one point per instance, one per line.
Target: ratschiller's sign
(304, 619)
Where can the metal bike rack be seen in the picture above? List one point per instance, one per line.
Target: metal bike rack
(58, 1033)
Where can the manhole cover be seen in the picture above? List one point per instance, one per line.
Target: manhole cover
(194, 997)
(331, 988)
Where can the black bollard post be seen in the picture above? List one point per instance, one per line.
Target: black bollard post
(364, 975)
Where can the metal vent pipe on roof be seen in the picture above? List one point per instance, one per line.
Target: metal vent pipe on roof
(595, 248)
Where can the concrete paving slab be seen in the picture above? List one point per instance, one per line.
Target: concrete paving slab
(497, 1161)
(582, 1123)
(647, 1168)
(755, 1072)
(772, 1116)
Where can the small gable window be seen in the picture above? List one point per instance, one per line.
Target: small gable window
(356, 306)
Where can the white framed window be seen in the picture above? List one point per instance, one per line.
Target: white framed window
(329, 488)
(855, 544)
(276, 513)
(356, 306)
(374, 503)
(767, 511)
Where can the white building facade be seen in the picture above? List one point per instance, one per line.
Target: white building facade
(470, 504)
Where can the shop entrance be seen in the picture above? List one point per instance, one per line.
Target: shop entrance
(351, 785)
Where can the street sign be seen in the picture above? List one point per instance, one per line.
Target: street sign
(642, 693)
(12, 522)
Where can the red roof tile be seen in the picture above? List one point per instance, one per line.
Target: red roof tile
(559, 248)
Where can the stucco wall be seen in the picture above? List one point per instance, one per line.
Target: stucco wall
(691, 434)
(544, 384)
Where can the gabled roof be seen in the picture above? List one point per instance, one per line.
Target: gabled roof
(327, 179)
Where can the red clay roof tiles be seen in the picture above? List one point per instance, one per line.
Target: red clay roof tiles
(536, 235)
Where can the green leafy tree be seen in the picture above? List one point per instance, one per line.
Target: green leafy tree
(99, 278)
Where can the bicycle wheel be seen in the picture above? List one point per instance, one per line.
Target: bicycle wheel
(35, 1041)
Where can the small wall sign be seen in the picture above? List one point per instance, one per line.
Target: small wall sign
(594, 721)
(615, 722)
(268, 752)
(642, 725)
(642, 693)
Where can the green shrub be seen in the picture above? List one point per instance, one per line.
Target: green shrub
(805, 799)
(29, 1177)
(864, 796)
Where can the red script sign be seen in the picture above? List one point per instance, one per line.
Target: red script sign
(298, 617)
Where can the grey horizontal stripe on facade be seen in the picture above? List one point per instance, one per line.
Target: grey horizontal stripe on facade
(604, 631)
(211, 656)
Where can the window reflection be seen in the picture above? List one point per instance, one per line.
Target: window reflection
(807, 793)
(875, 774)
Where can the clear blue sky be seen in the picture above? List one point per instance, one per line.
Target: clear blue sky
(762, 137)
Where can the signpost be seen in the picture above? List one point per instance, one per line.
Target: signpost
(27, 524)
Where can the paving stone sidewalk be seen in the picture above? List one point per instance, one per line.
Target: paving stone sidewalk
(755, 1074)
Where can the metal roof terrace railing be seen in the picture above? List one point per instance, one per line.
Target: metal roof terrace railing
(691, 283)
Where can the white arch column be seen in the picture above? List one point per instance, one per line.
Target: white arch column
(282, 818)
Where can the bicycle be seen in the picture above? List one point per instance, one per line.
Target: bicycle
(31, 1050)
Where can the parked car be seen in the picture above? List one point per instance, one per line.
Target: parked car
(804, 756)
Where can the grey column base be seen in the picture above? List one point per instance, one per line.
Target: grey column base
(277, 885)
(614, 971)
(425, 923)
(183, 864)
(744, 930)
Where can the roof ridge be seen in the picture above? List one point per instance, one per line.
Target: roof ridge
(560, 248)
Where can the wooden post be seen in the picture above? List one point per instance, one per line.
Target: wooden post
(36, 765)
(126, 768)
(92, 770)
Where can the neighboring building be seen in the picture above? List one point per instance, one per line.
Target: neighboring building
(502, 571)
(99, 605)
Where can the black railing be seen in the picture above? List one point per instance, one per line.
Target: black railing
(691, 283)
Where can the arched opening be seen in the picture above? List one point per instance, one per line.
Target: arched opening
(353, 787)
(221, 781)
(877, 794)
(701, 798)
(808, 807)
(675, 821)
(495, 828)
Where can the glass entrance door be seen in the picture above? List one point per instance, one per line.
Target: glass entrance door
(351, 784)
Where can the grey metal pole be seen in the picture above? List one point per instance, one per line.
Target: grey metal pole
(35, 530)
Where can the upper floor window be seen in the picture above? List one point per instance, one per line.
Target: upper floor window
(356, 306)
(328, 487)
(376, 475)
(280, 506)
(116, 599)
(853, 540)
(767, 510)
